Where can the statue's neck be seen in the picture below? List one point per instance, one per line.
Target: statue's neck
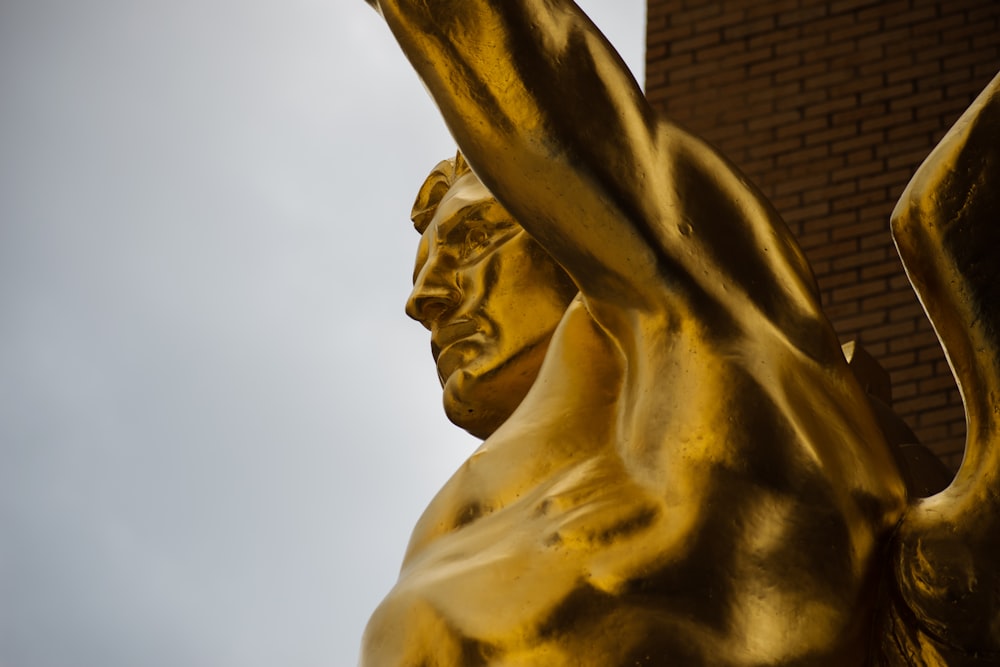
(567, 417)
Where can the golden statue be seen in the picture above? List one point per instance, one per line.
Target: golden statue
(679, 466)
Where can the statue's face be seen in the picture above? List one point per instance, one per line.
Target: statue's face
(491, 298)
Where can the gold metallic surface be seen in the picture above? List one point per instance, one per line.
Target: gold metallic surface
(946, 553)
(679, 465)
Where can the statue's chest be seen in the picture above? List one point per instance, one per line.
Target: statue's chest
(500, 582)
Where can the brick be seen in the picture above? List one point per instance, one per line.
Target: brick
(802, 15)
(909, 311)
(828, 79)
(802, 127)
(879, 241)
(985, 42)
(803, 213)
(886, 300)
(911, 16)
(925, 342)
(830, 220)
(893, 94)
(826, 54)
(773, 120)
(775, 64)
(893, 119)
(694, 42)
(920, 403)
(695, 15)
(720, 51)
(960, 62)
(914, 128)
(806, 101)
(775, 147)
(855, 113)
(943, 415)
(834, 249)
(941, 51)
(748, 28)
(830, 135)
(799, 44)
(842, 6)
(858, 229)
(857, 200)
(890, 331)
(840, 310)
(985, 12)
(861, 323)
(830, 192)
(854, 30)
(864, 170)
(813, 240)
(772, 37)
(667, 35)
(771, 7)
(912, 73)
(864, 154)
(892, 362)
(840, 279)
(902, 390)
(727, 18)
(856, 141)
(873, 44)
(963, 31)
(916, 371)
(856, 291)
(769, 93)
(935, 383)
(937, 25)
(940, 79)
(693, 71)
(884, 8)
(804, 181)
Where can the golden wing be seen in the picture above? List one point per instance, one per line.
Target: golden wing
(946, 556)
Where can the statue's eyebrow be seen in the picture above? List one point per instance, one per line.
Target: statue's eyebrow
(485, 210)
(472, 210)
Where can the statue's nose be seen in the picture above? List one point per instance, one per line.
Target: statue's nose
(435, 292)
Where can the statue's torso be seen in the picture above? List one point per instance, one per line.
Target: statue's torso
(551, 546)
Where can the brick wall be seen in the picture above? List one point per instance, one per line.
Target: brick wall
(829, 107)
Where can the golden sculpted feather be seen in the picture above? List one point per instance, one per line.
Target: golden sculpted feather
(678, 466)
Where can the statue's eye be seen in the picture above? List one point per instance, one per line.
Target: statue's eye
(475, 239)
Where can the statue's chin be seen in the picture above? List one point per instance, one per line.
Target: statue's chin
(471, 405)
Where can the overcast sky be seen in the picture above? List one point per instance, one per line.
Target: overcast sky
(217, 427)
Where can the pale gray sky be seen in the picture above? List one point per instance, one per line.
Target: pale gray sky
(217, 427)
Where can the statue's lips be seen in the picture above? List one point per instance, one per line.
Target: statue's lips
(448, 335)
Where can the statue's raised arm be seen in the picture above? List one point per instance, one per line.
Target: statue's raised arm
(554, 124)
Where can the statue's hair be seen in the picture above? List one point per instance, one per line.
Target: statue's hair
(437, 184)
